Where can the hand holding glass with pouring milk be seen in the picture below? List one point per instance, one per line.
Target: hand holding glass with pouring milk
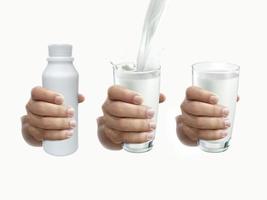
(142, 78)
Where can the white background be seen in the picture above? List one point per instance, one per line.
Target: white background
(105, 30)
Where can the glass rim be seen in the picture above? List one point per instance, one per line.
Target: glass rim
(219, 67)
(151, 70)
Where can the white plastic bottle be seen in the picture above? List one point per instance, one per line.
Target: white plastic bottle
(61, 76)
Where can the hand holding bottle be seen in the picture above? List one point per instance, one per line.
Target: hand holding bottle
(47, 118)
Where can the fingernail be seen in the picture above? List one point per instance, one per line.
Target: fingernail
(214, 99)
(227, 123)
(150, 136)
(59, 99)
(152, 125)
(150, 113)
(138, 99)
(69, 133)
(225, 112)
(72, 123)
(70, 112)
(224, 133)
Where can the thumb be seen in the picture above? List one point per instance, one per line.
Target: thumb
(162, 98)
(81, 98)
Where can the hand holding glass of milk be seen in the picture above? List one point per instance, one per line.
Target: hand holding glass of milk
(221, 79)
(147, 84)
(144, 77)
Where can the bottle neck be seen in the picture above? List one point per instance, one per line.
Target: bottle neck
(60, 59)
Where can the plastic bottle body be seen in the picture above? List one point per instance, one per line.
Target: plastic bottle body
(61, 76)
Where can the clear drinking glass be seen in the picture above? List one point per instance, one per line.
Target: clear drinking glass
(147, 84)
(221, 79)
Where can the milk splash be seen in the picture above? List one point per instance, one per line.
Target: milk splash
(151, 22)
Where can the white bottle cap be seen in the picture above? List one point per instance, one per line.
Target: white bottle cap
(60, 50)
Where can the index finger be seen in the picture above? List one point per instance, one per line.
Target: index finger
(194, 93)
(197, 108)
(119, 93)
(43, 94)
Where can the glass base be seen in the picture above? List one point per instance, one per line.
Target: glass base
(214, 147)
(138, 148)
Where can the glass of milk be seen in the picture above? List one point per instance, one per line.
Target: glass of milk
(222, 80)
(147, 84)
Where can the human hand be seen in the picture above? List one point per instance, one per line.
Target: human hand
(125, 119)
(47, 118)
(202, 117)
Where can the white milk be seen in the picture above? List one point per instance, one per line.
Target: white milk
(147, 84)
(152, 19)
(61, 76)
(225, 86)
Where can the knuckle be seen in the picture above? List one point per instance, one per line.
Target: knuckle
(61, 135)
(189, 91)
(41, 108)
(180, 128)
(60, 111)
(179, 132)
(217, 135)
(198, 122)
(24, 119)
(36, 134)
(142, 125)
(44, 122)
(35, 90)
(104, 107)
(111, 90)
(141, 111)
(192, 133)
(110, 122)
(194, 108)
(217, 123)
(146, 124)
(221, 123)
(182, 105)
(63, 123)
(30, 130)
(100, 121)
(116, 108)
(27, 106)
(25, 128)
(106, 130)
(216, 110)
(104, 119)
(45, 134)
(185, 130)
(29, 118)
(200, 132)
(121, 123)
(117, 138)
(141, 138)
(179, 119)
